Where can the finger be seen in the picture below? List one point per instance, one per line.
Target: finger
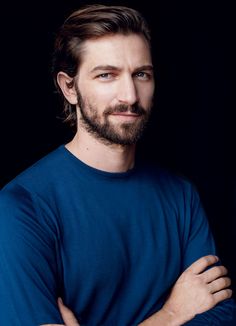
(222, 295)
(214, 273)
(219, 284)
(67, 315)
(202, 263)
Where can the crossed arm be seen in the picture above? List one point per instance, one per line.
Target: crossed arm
(27, 245)
(197, 290)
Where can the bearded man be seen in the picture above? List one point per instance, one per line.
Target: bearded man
(121, 243)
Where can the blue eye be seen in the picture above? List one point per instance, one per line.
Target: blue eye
(106, 75)
(143, 75)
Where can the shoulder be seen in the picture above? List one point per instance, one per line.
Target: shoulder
(38, 176)
(165, 178)
(169, 185)
(26, 201)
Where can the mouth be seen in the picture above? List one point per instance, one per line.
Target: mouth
(126, 116)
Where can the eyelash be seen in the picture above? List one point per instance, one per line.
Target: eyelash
(146, 76)
(109, 75)
(105, 75)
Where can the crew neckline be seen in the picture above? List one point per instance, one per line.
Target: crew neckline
(93, 170)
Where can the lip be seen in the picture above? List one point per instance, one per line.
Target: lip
(126, 115)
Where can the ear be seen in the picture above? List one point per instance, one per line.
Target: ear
(67, 87)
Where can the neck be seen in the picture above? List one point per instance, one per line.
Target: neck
(93, 152)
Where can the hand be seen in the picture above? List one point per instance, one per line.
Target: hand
(67, 316)
(198, 290)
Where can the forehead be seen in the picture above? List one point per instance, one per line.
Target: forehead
(117, 50)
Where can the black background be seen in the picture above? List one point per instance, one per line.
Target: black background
(192, 130)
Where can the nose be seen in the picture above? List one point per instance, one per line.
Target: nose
(127, 93)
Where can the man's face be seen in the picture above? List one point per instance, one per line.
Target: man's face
(115, 88)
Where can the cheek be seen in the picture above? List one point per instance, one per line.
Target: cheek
(101, 96)
(146, 96)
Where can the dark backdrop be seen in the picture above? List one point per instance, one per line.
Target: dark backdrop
(192, 131)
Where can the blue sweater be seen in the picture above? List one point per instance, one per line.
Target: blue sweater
(110, 244)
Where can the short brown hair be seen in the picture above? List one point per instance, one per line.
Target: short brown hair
(90, 22)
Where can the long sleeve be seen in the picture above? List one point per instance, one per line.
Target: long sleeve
(199, 242)
(28, 262)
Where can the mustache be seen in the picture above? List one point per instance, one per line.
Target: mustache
(121, 108)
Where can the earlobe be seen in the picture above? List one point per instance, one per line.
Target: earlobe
(66, 84)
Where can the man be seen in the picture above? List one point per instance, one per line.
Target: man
(121, 243)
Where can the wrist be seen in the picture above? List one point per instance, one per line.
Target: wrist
(163, 317)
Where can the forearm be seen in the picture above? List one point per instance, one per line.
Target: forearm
(224, 313)
(163, 318)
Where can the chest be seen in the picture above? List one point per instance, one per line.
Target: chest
(110, 238)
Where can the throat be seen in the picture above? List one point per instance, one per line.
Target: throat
(108, 158)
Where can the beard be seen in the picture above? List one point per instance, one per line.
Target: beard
(126, 133)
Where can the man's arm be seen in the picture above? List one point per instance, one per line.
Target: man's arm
(29, 278)
(197, 242)
(197, 290)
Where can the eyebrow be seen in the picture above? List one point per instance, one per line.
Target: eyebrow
(109, 67)
(145, 67)
(105, 68)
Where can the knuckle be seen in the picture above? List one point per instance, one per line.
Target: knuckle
(199, 281)
(210, 259)
(211, 301)
(212, 271)
(227, 293)
(206, 259)
(225, 281)
(187, 274)
(223, 270)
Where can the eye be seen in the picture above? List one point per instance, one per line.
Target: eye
(142, 75)
(105, 76)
